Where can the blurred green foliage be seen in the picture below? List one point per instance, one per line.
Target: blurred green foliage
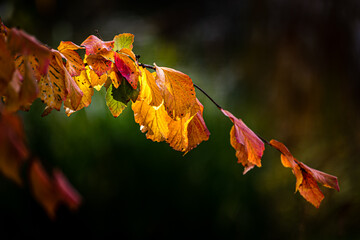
(289, 69)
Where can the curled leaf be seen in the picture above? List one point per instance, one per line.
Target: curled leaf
(249, 147)
(306, 177)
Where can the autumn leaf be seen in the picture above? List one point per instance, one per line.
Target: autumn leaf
(84, 84)
(127, 68)
(13, 151)
(57, 85)
(152, 120)
(149, 112)
(98, 64)
(94, 45)
(197, 130)
(177, 90)
(124, 40)
(117, 98)
(249, 147)
(95, 81)
(51, 191)
(74, 63)
(149, 90)
(306, 177)
(21, 43)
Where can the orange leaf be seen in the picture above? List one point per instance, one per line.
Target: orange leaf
(249, 147)
(306, 177)
(99, 64)
(127, 68)
(74, 63)
(197, 130)
(177, 90)
(96, 81)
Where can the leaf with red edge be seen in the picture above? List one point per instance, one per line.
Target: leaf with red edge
(22, 43)
(177, 90)
(249, 147)
(74, 63)
(51, 191)
(93, 45)
(306, 177)
(127, 68)
(13, 151)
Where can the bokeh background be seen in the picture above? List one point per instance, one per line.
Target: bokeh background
(289, 69)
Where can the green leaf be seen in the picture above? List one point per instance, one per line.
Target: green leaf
(124, 40)
(116, 107)
(117, 98)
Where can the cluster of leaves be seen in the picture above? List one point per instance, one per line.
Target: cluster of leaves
(163, 101)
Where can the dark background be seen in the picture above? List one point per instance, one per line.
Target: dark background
(289, 69)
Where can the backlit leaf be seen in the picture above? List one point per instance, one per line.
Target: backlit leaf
(84, 84)
(93, 45)
(98, 64)
(127, 68)
(249, 147)
(124, 40)
(177, 91)
(152, 120)
(197, 130)
(116, 99)
(74, 63)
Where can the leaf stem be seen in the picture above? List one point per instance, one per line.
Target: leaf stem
(207, 95)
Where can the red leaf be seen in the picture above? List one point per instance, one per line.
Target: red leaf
(93, 45)
(127, 68)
